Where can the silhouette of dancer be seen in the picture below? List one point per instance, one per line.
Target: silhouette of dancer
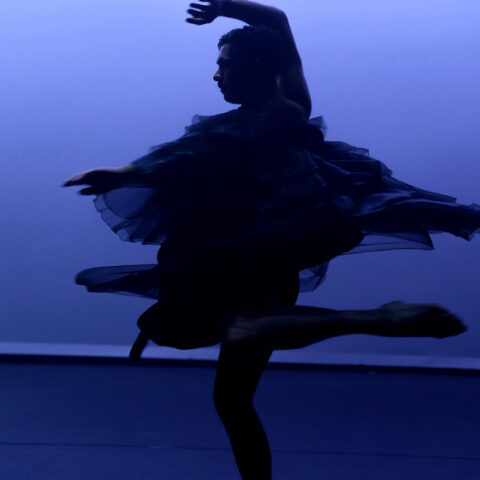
(248, 207)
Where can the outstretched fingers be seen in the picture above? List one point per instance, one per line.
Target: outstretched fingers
(199, 6)
(98, 181)
(197, 21)
(84, 178)
(195, 13)
(75, 180)
(91, 191)
(211, 4)
(80, 179)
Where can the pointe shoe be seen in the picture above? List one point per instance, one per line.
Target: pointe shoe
(420, 320)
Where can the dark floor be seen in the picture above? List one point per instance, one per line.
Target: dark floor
(73, 420)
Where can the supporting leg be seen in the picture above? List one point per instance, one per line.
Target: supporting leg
(239, 370)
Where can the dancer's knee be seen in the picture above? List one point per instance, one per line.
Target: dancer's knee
(230, 404)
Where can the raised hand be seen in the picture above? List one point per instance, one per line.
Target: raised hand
(201, 14)
(100, 180)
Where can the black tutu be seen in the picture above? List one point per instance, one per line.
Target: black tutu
(259, 194)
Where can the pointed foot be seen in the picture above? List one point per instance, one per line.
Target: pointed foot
(420, 320)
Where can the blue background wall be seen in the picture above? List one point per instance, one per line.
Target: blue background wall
(86, 84)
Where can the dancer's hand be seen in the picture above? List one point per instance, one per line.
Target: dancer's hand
(201, 14)
(100, 180)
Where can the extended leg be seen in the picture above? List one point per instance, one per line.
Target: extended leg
(296, 327)
(239, 370)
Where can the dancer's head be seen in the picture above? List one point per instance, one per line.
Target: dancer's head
(248, 64)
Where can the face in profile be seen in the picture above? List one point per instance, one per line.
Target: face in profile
(241, 82)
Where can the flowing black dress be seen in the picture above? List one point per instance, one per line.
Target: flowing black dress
(248, 207)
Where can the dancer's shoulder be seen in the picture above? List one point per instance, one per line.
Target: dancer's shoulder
(290, 108)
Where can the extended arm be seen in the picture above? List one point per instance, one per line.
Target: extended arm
(291, 81)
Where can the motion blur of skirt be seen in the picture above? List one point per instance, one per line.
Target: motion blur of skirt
(198, 290)
(249, 206)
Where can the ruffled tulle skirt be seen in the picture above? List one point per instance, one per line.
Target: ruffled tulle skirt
(245, 202)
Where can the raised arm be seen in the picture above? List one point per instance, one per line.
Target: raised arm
(291, 81)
